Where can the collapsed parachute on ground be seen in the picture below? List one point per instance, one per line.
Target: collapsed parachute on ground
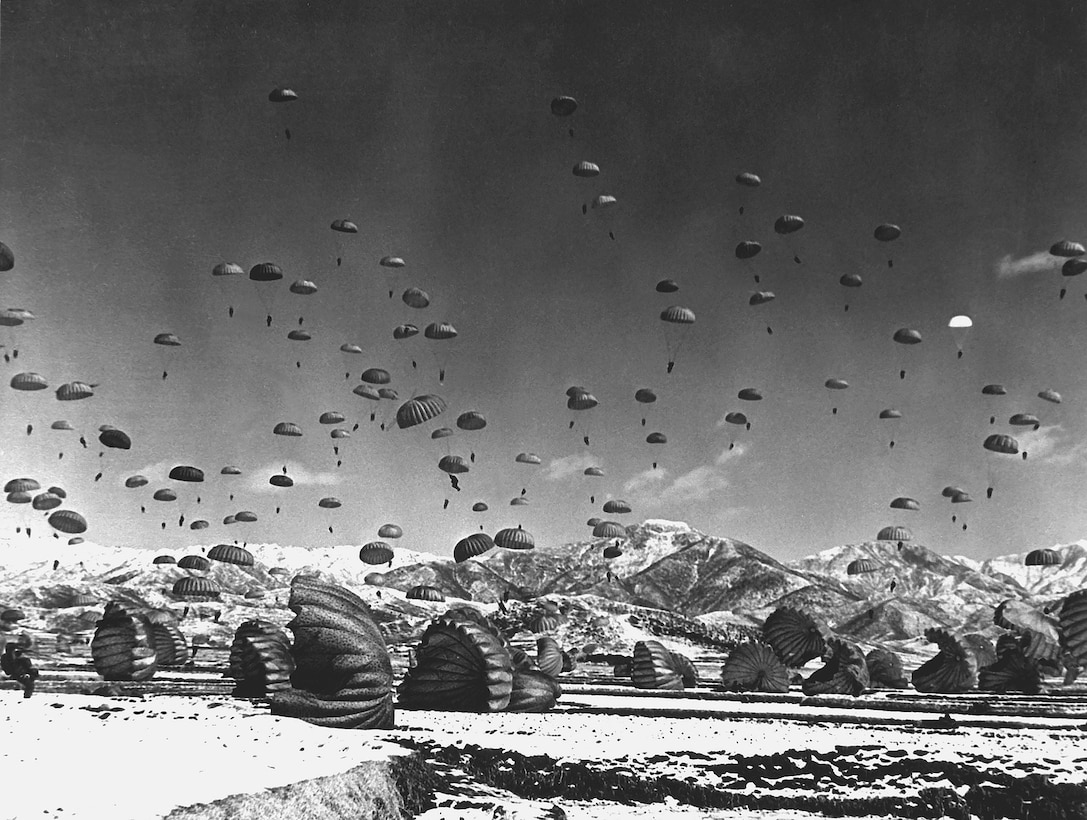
(1013, 671)
(953, 669)
(844, 673)
(343, 676)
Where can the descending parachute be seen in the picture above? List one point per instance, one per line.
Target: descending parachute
(861, 566)
(677, 321)
(419, 410)
(960, 326)
(906, 336)
(222, 270)
(471, 546)
(231, 554)
(1043, 558)
(514, 538)
(375, 553)
(887, 233)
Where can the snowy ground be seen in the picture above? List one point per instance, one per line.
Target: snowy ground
(197, 750)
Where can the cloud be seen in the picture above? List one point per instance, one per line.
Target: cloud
(567, 466)
(257, 480)
(695, 485)
(644, 480)
(1052, 445)
(1040, 262)
(727, 455)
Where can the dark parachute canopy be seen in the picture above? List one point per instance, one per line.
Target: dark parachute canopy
(422, 592)
(794, 635)
(1073, 626)
(419, 410)
(471, 546)
(196, 588)
(754, 667)
(343, 676)
(514, 538)
(549, 656)
(260, 659)
(122, 647)
(196, 562)
(953, 669)
(885, 669)
(171, 648)
(1013, 670)
(185, 473)
(376, 552)
(1046, 557)
(845, 671)
(860, 566)
(653, 667)
(462, 666)
(1000, 443)
(894, 533)
(231, 554)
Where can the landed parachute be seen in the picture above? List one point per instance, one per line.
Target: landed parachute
(844, 673)
(343, 675)
(122, 647)
(461, 666)
(260, 659)
(794, 635)
(885, 669)
(754, 667)
(953, 669)
(653, 667)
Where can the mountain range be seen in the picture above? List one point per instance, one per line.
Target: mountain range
(720, 583)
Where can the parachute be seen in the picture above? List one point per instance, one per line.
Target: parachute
(754, 667)
(68, 522)
(953, 669)
(860, 566)
(586, 170)
(164, 559)
(231, 554)
(419, 410)
(794, 635)
(1043, 558)
(844, 673)
(1051, 396)
(74, 391)
(885, 669)
(960, 326)
(471, 546)
(389, 531)
(906, 336)
(186, 473)
(609, 529)
(164, 495)
(677, 320)
(196, 588)
(894, 533)
(343, 675)
(1013, 671)
(260, 659)
(224, 269)
(749, 394)
(171, 648)
(471, 420)
(462, 666)
(528, 458)
(7, 258)
(416, 298)
(1067, 249)
(375, 553)
(28, 382)
(330, 503)
(850, 280)
(514, 538)
(616, 507)
(122, 647)
(195, 562)
(903, 503)
(1073, 626)
(667, 286)
(653, 667)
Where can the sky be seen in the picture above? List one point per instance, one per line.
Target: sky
(138, 149)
